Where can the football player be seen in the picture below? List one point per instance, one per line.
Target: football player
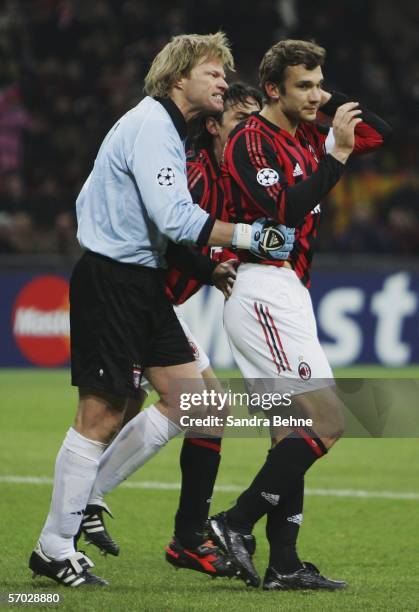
(281, 163)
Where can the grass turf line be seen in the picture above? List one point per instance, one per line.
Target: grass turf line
(369, 542)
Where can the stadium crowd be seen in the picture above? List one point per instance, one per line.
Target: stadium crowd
(70, 68)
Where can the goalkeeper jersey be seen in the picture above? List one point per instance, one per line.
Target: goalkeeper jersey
(136, 197)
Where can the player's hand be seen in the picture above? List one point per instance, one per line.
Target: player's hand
(271, 240)
(224, 276)
(344, 123)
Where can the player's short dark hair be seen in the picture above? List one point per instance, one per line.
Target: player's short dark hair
(288, 53)
(237, 93)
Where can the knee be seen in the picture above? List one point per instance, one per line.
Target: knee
(99, 417)
(328, 422)
(335, 423)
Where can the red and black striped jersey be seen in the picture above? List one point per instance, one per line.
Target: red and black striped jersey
(206, 187)
(268, 172)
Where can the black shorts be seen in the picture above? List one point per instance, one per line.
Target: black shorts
(120, 323)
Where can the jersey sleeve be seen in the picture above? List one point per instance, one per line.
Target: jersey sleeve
(252, 162)
(158, 166)
(191, 262)
(370, 133)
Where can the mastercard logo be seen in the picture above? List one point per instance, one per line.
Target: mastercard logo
(41, 321)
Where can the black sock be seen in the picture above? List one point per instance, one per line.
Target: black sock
(282, 527)
(285, 465)
(199, 461)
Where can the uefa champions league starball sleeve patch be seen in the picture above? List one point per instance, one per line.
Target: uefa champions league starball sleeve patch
(267, 177)
(166, 177)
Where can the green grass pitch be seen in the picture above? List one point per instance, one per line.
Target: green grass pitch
(370, 541)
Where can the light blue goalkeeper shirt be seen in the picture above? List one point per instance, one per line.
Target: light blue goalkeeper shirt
(136, 197)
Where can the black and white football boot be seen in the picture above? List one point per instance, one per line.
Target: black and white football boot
(94, 531)
(71, 572)
(239, 547)
(306, 578)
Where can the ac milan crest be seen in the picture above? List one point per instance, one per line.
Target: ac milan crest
(304, 371)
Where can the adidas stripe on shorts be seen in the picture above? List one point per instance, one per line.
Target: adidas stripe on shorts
(272, 330)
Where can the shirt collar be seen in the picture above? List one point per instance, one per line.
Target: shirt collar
(266, 121)
(175, 115)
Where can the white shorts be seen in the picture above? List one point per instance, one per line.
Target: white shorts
(272, 330)
(201, 358)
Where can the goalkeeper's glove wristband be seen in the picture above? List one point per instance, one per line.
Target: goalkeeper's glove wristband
(242, 236)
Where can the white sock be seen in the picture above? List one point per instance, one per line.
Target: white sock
(136, 443)
(75, 472)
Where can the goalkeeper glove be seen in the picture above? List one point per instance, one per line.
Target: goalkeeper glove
(265, 239)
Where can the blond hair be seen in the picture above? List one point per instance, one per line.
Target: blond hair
(180, 55)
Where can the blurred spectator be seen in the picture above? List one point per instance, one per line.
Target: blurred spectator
(65, 235)
(13, 120)
(12, 196)
(364, 233)
(401, 212)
